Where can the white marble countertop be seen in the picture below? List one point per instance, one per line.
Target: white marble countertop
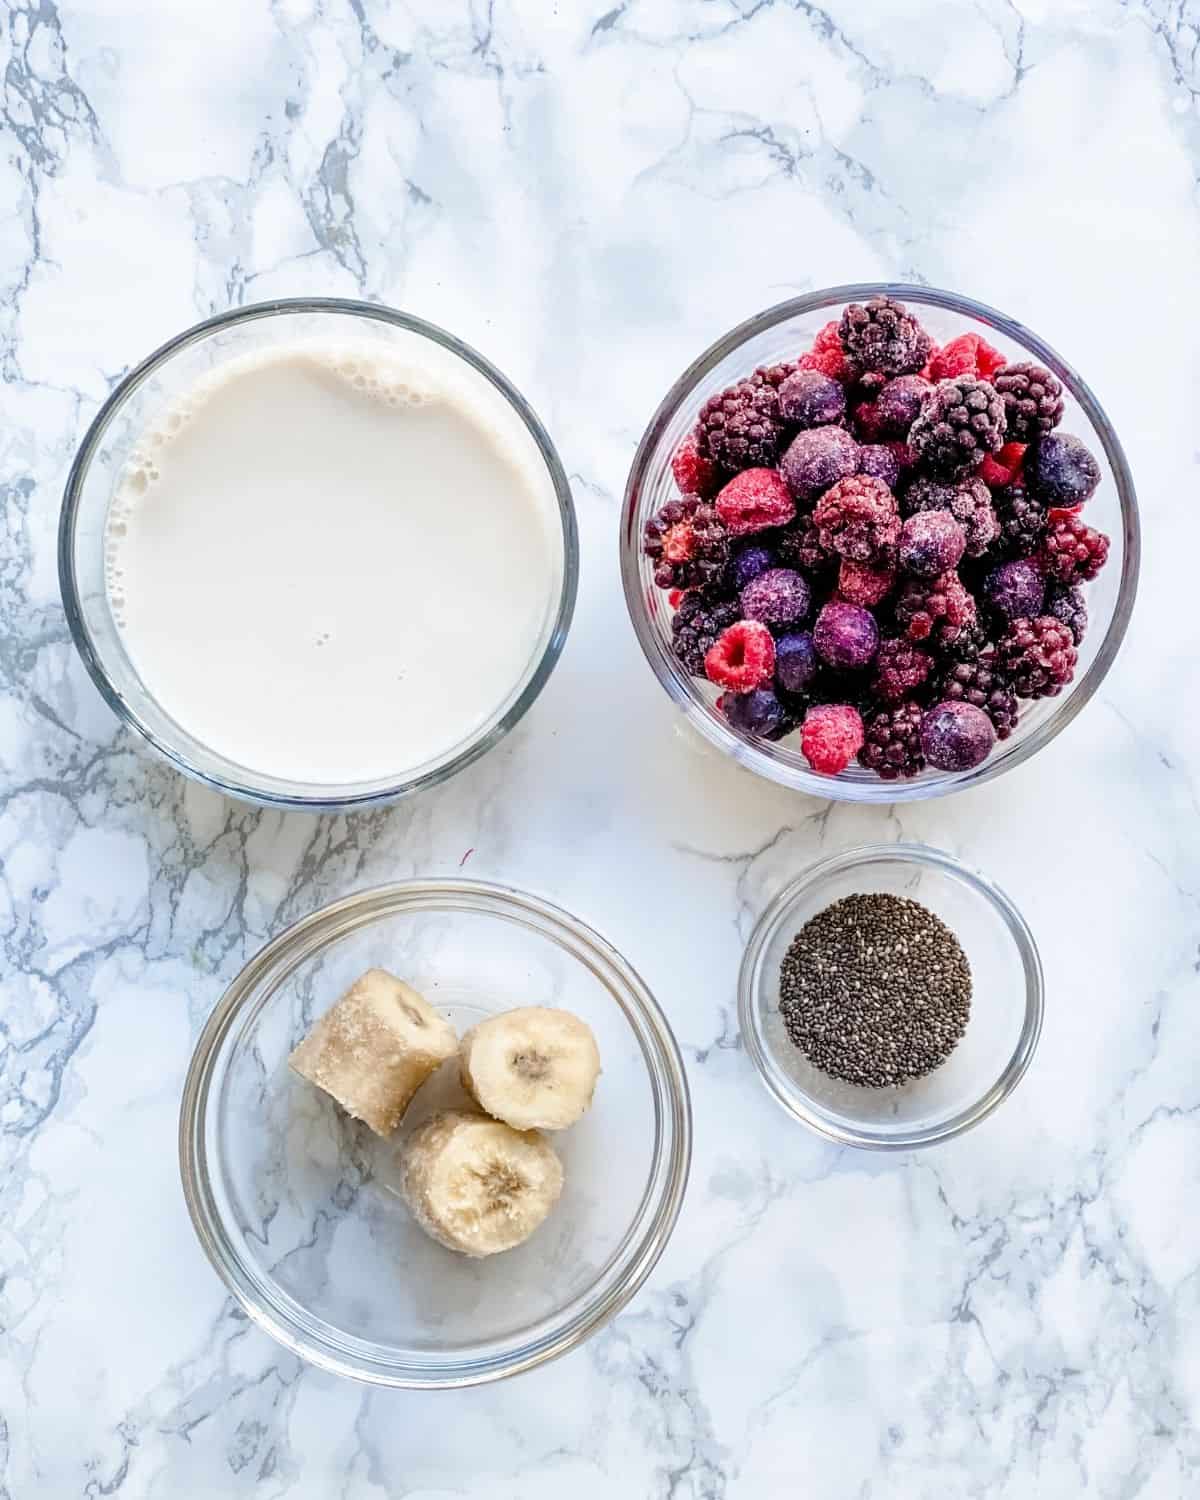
(590, 193)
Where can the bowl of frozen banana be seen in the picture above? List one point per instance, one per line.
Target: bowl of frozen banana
(435, 1134)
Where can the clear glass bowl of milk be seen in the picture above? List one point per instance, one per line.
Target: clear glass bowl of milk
(318, 553)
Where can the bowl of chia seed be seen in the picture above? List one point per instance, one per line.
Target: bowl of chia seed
(891, 997)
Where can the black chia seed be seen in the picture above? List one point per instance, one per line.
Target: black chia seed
(875, 990)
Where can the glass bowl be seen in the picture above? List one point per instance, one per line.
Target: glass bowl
(296, 1205)
(175, 369)
(1006, 1002)
(778, 334)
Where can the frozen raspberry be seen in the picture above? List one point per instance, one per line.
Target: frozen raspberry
(777, 597)
(1033, 400)
(857, 518)
(742, 657)
(960, 421)
(1015, 588)
(688, 544)
(967, 500)
(827, 355)
(674, 596)
(740, 428)
(1037, 657)
(931, 542)
(1071, 551)
(749, 563)
(901, 671)
(1003, 468)
(1022, 520)
(1061, 471)
(935, 610)
(860, 583)
(816, 459)
(697, 624)
(693, 474)
(980, 684)
(796, 662)
(899, 404)
(884, 336)
(846, 636)
(758, 712)
(892, 742)
(879, 461)
(965, 355)
(1066, 604)
(753, 501)
(831, 736)
(956, 736)
(810, 399)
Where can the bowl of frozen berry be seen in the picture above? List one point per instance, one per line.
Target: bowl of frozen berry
(880, 543)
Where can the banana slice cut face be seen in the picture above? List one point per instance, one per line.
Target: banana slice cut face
(533, 1068)
(374, 1049)
(477, 1185)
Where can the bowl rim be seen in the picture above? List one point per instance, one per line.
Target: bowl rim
(263, 789)
(776, 1080)
(755, 756)
(637, 1252)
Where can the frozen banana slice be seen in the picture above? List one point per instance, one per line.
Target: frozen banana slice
(477, 1185)
(374, 1049)
(534, 1068)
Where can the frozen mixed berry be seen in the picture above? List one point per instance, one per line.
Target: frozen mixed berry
(1061, 471)
(688, 544)
(901, 671)
(899, 404)
(956, 736)
(865, 583)
(796, 662)
(1037, 657)
(1022, 520)
(892, 742)
(816, 459)
(846, 636)
(960, 421)
(1071, 551)
(936, 610)
(982, 685)
(742, 657)
(879, 461)
(811, 399)
(884, 336)
(755, 500)
(778, 597)
(968, 500)
(697, 623)
(1015, 588)
(694, 474)
(966, 355)
(748, 564)
(931, 542)
(1066, 604)
(758, 712)
(831, 737)
(799, 546)
(857, 518)
(740, 428)
(1033, 401)
(1003, 468)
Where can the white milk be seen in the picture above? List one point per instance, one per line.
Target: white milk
(327, 568)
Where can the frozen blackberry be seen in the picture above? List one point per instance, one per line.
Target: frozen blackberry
(1015, 589)
(936, 610)
(799, 546)
(960, 422)
(1061, 471)
(740, 428)
(1071, 551)
(857, 518)
(816, 459)
(899, 404)
(697, 623)
(688, 544)
(892, 742)
(980, 683)
(1037, 657)
(969, 643)
(810, 399)
(901, 671)
(1066, 604)
(775, 375)
(1022, 520)
(969, 501)
(1033, 401)
(884, 336)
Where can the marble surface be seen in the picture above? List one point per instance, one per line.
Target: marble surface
(591, 192)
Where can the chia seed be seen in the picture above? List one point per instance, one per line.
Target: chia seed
(875, 990)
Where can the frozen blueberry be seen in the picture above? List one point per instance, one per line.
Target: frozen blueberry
(816, 459)
(759, 712)
(810, 399)
(956, 736)
(796, 661)
(931, 543)
(1060, 471)
(1016, 589)
(899, 403)
(846, 635)
(749, 563)
(779, 596)
(880, 462)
